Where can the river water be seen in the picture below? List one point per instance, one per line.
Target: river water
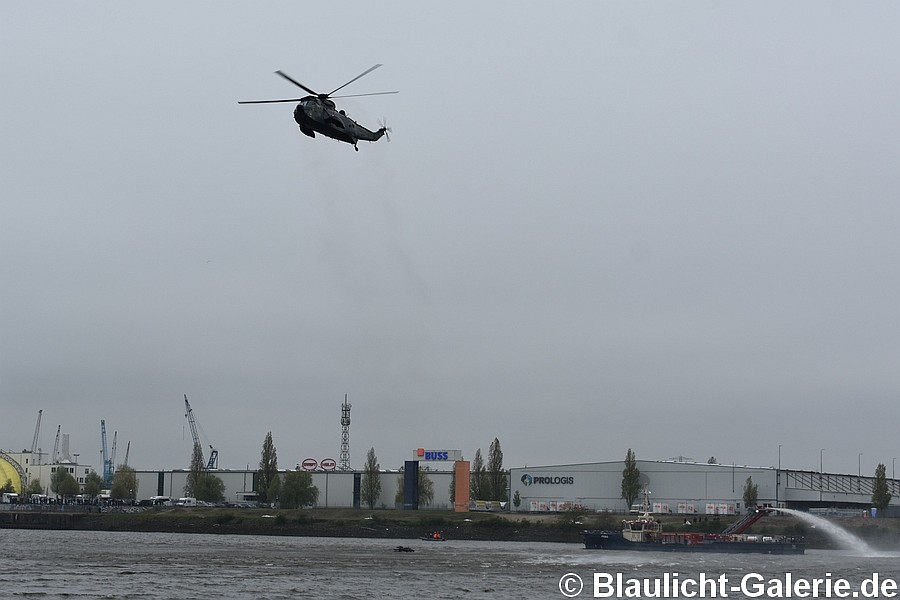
(113, 565)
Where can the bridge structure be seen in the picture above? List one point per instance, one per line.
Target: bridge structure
(815, 489)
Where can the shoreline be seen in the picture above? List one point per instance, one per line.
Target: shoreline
(407, 525)
(349, 523)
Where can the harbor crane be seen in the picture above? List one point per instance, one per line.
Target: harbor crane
(112, 453)
(108, 468)
(37, 433)
(213, 462)
(54, 458)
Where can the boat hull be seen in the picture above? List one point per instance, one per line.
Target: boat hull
(612, 540)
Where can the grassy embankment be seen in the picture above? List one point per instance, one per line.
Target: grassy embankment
(880, 533)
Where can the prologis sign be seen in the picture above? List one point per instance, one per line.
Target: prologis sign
(438, 455)
(546, 480)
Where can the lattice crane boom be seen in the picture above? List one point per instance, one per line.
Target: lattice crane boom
(107, 463)
(37, 432)
(54, 458)
(195, 435)
(112, 453)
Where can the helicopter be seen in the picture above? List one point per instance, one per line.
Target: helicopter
(318, 114)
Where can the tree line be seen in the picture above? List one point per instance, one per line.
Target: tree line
(487, 481)
(64, 485)
(294, 490)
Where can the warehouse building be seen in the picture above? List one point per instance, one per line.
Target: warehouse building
(337, 489)
(674, 486)
(688, 488)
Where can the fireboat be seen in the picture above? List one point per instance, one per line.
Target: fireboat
(645, 533)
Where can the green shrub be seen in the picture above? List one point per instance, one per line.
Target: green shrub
(433, 521)
(303, 519)
(607, 521)
(495, 523)
(224, 518)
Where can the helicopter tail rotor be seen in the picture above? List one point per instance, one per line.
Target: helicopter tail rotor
(382, 123)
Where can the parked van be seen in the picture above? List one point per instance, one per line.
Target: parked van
(186, 502)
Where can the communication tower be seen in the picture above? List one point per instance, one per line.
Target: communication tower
(345, 435)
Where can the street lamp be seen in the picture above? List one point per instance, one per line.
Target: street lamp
(859, 472)
(821, 469)
(778, 476)
(894, 472)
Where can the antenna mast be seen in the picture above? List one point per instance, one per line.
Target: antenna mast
(345, 435)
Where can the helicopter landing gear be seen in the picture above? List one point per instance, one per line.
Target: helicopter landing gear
(355, 148)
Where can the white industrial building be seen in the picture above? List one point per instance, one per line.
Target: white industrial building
(679, 487)
(676, 487)
(337, 489)
(21, 468)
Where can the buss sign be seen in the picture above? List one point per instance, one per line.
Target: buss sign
(441, 455)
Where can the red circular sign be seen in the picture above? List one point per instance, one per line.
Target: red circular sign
(329, 464)
(309, 464)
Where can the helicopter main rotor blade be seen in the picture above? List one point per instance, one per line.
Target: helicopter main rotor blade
(270, 101)
(366, 72)
(295, 82)
(358, 95)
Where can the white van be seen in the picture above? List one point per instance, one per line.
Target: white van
(186, 502)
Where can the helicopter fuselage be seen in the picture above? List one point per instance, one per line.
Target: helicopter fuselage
(319, 115)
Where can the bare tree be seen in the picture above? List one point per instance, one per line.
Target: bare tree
(298, 490)
(496, 476)
(478, 489)
(267, 481)
(751, 493)
(631, 479)
(881, 496)
(198, 467)
(426, 489)
(124, 484)
(371, 481)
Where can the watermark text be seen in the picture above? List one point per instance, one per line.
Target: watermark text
(707, 585)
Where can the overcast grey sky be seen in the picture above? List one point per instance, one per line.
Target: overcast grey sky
(669, 226)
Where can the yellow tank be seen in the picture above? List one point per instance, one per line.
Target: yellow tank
(8, 471)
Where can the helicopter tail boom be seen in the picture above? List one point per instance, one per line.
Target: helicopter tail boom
(370, 136)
